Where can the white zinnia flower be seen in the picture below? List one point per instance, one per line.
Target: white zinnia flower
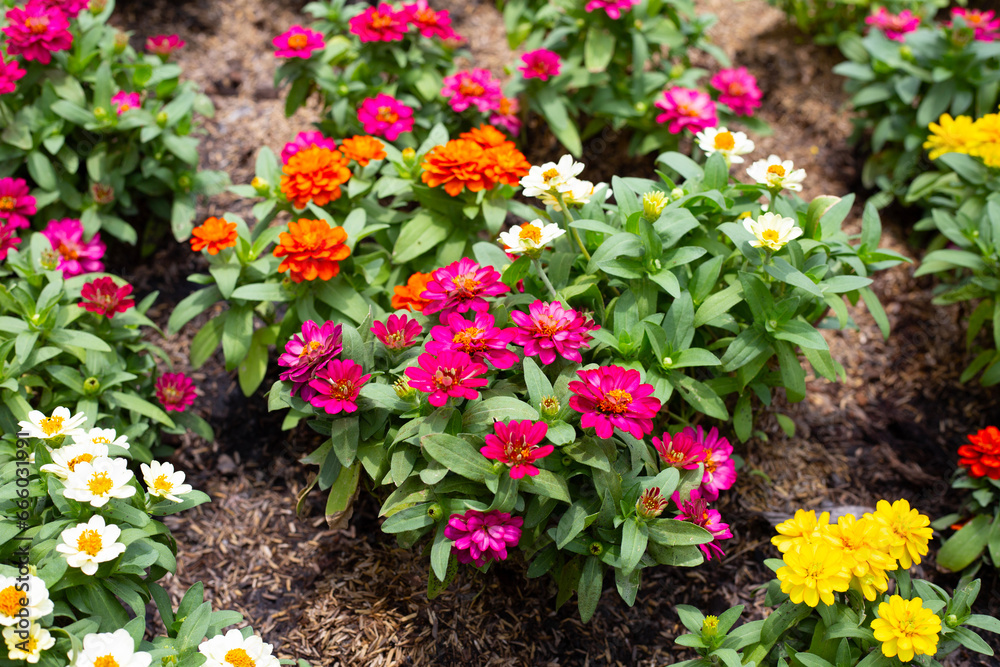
(28, 648)
(232, 649)
(720, 140)
(66, 458)
(29, 593)
(777, 174)
(530, 237)
(59, 424)
(772, 231)
(86, 545)
(102, 436)
(99, 481)
(551, 177)
(577, 191)
(161, 480)
(110, 648)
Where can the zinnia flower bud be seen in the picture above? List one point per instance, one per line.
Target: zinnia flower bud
(710, 627)
(49, 259)
(121, 41)
(103, 194)
(100, 113)
(951, 620)
(550, 407)
(97, 6)
(676, 193)
(653, 204)
(184, 182)
(651, 503)
(162, 118)
(435, 511)
(409, 154)
(595, 548)
(91, 386)
(260, 185)
(404, 390)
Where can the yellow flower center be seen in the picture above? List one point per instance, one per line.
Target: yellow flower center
(387, 115)
(770, 235)
(710, 465)
(10, 601)
(505, 107)
(465, 285)
(689, 111)
(237, 657)
(7, 203)
(37, 24)
(310, 348)
(32, 644)
(531, 232)
(101, 440)
(471, 89)
(68, 252)
(380, 22)
(51, 425)
(467, 339)
(82, 458)
(89, 542)
(426, 16)
(616, 401)
(776, 169)
(298, 41)
(549, 174)
(163, 484)
(736, 89)
(724, 141)
(106, 661)
(100, 483)
(342, 389)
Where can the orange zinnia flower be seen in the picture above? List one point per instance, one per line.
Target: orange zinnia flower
(312, 249)
(363, 149)
(315, 175)
(456, 165)
(486, 136)
(408, 296)
(505, 164)
(214, 234)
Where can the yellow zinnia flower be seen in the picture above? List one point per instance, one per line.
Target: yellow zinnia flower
(863, 544)
(989, 132)
(812, 573)
(906, 629)
(958, 135)
(907, 529)
(803, 528)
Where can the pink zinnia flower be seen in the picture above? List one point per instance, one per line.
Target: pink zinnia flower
(695, 509)
(76, 256)
(385, 116)
(36, 31)
(505, 117)
(614, 8)
(398, 333)
(8, 239)
(460, 286)
(123, 102)
(716, 454)
(304, 140)
(15, 202)
(475, 87)
(308, 351)
(382, 24)
(483, 536)
(104, 297)
(298, 42)
(612, 397)
(737, 90)
(548, 330)
(686, 108)
(679, 451)
(336, 386)
(175, 391)
(429, 22)
(164, 45)
(540, 64)
(516, 444)
(480, 339)
(895, 26)
(71, 8)
(450, 374)
(986, 27)
(10, 74)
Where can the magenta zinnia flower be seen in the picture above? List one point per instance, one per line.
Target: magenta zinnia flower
(614, 8)
(475, 87)
(548, 329)
(123, 102)
(71, 8)
(695, 509)
(8, 238)
(429, 22)
(398, 333)
(450, 374)
(505, 117)
(737, 90)
(679, 451)
(895, 26)
(10, 74)
(297, 42)
(483, 536)
(305, 140)
(104, 297)
(15, 202)
(175, 391)
(381, 24)
(76, 256)
(307, 352)
(385, 116)
(686, 108)
(336, 386)
(164, 45)
(479, 339)
(36, 31)
(460, 286)
(540, 64)
(716, 454)
(516, 444)
(987, 29)
(612, 397)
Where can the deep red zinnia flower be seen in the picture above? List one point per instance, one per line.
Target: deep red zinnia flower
(982, 456)
(104, 297)
(548, 330)
(695, 509)
(175, 391)
(398, 333)
(337, 385)
(450, 374)
(516, 444)
(612, 397)
(460, 286)
(478, 338)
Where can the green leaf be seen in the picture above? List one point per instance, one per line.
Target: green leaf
(457, 455)
(672, 532)
(421, 233)
(41, 170)
(590, 586)
(965, 546)
(237, 332)
(718, 304)
(598, 49)
(226, 276)
(633, 545)
(558, 120)
(205, 342)
(191, 306)
(971, 640)
(571, 524)
(342, 493)
(261, 292)
(143, 407)
(411, 518)
(497, 408)
(65, 338)
(546, 483)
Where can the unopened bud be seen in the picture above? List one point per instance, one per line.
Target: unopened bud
(653, 204)
(651, 503)
(550, 407)
(103, 194)
(906, 53)
(121, 41)
(100, 113)
(951, 620)
(260, 185)
(184, 182)
(409, 154)
(162, 118)
(168, 661)
(710, 626)
(595, 548)
(676, 193)
(676, 71)
(435, 511)
(97, 6)
(49, 259)
(641, 107)
(668, 362)
(91, 386)
(403, 389)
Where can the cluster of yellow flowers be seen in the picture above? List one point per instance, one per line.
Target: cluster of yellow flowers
(978, 138)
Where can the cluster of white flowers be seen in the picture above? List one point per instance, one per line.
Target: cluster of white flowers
(556, 183)
(117, 648)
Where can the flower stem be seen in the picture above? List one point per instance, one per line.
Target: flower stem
(568, 218)
(545, 279)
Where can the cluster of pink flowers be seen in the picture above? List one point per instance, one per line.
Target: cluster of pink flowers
(481, 537)
(164, 45)
(613, 8)
(985, 25)
(304, 140)
(695, 509)
(895, 26)
(103, 297)
(175, 391)
(690, 448)
(472, 88)
(76, 255)
(385, 116)
(540, 64)
(38, 30)
(316, 374)
(122, 102)
(387, 24)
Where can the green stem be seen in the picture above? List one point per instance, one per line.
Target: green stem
(545, 279)
(568, 218)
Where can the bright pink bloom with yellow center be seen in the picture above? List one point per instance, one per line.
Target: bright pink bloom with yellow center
(297, 42)
(679, 451)
(986, 27)
(76, 256)
(15, 202)
(104, 297)
(516, 444)
(895, 26)
(36, 31)
(460, 286)
(175, 391)
(695, 509)
(8, 238)
(481, 537)
(398, 333)
(505, 116)
(429, 22)
(380, 24)
(478, 338)
(304, 140)
(548, 330)
(385, 116)
(612, 397)
(716, 454)
(164, 45)
(336, 386)
(686, 108)
(475, 87)
(448, 375)
(614, 8)
(737, 90)
(540, 64)
(10, 74)
(123, 102)
(307, 352)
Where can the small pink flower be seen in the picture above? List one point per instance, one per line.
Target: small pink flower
(429, 22)
(123, 102)
(381, 24)
(614, 8)
(336, 386)
(164, 45)
(612, 397)
(481, 537)
(304, 140)
(680, 451)
(175, 391)
(475, 87)
(987, 28)
(298, 42)
(895, 26)
(448, 375)
(15, 202)
(36, 31)
(737, 90)
(307, 352)
(71, 8)
(76, 256)
(460, 286)
(480, 339)
(540, 64)
(516, 444)
(398, 333)
(716, 454)
(104, 297)
(695, 509)
(385, 116)
(505, 117)
(548, 330)
(686, 108)
(8, 238)
(10, 74)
